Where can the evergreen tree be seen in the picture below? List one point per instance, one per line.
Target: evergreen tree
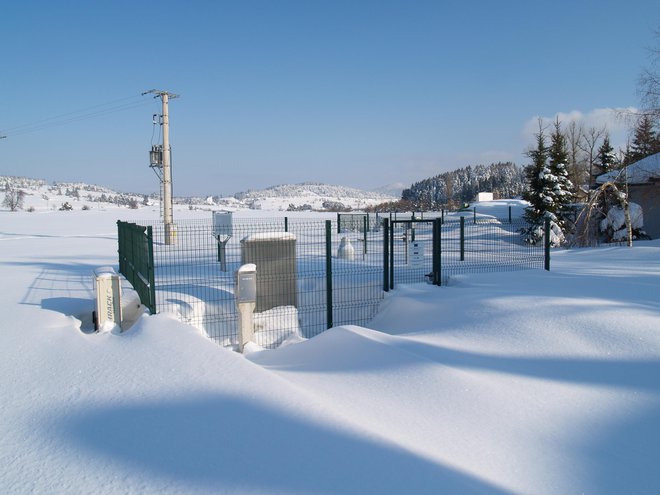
(534, 213)
(646, 140)
(558, 186)
(605, 157)
(549, 191)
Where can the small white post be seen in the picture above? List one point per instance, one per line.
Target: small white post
(246, 301)
(108, 298)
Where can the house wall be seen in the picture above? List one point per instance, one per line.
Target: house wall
(648, 197)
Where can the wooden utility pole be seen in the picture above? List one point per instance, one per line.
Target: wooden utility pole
(168, 218)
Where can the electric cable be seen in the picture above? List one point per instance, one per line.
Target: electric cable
(75, 116)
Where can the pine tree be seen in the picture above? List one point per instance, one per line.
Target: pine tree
(558, 186)
(646, 140)
(535, 212)
(605, 157)
(549, 192)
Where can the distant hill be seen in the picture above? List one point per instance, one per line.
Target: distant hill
(305, 196)
(394, 190)
(311, 195)
(39, 195)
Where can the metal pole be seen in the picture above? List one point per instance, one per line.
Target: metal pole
(437, 251)
(120, 246)
(462, 238)
(547, 244)
(168, 219)
(386, 255)
(392, 255)
(328, 272)
(151, 270)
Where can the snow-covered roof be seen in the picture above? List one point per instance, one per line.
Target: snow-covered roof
(638, 173)
(270, 236)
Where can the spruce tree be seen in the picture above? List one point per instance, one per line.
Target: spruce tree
(646, 140)
(605, 157)
(558, 187)
(535, 212)
(549, 191)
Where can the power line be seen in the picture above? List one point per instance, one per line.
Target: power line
(75, 116)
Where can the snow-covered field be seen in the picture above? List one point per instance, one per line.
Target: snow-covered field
(523, 382)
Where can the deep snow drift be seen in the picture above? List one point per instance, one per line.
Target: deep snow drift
(523, 382)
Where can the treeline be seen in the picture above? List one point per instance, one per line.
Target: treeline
(451, 189)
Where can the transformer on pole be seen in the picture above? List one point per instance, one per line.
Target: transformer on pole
(160, 157)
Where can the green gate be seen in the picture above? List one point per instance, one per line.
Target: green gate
(136, 260)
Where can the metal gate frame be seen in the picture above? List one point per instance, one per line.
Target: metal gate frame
(388, 249)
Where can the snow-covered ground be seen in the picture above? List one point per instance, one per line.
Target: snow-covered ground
(523, 382)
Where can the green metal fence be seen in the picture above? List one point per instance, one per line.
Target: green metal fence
(136, 260)
(311, 275)
(435, 249)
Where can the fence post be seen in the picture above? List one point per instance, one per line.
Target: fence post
(328, 271)
(510, 214)
(366, 222)
(386, 255)
(130, 243)
(547, 244)
(339, 223)
(286, 224)
(474, 210)
(462, 238)
(437, 251)
(120, 247)
(151, 270)
(392, 255)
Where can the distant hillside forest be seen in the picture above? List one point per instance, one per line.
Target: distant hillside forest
(451, 189)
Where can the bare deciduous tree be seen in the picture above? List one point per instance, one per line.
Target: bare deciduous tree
(589, 145)
(14, 198)
(576, 170)
(649, 82)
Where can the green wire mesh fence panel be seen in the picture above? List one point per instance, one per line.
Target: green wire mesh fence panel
(464, 246)
(135, 250)
(357, 274)
(298, 261)
(487, 245)
(411, 253)
(195, 285)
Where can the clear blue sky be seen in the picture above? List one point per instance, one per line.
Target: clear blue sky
(357, 93)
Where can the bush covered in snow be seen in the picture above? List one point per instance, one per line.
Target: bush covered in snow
(613, 225)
